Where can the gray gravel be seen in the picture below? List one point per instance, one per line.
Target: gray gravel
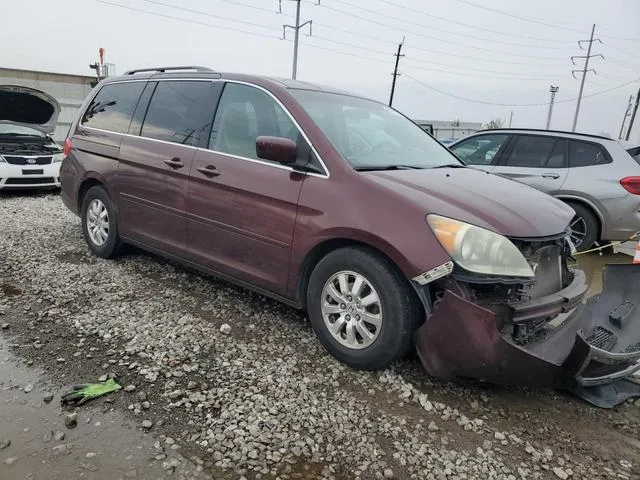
(242, 385)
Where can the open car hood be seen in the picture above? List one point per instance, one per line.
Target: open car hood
(29, 107)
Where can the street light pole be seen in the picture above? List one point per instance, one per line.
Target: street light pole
(553, 91)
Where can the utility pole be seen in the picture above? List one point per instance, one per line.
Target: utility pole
(633, 115)
(553, 91)
(586, 68)
(510, 118)
(395, 71)
(296, 29)
(626, 114)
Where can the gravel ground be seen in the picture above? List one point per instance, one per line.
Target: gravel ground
(240, 384)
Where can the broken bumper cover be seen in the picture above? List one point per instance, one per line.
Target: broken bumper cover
(584, 345)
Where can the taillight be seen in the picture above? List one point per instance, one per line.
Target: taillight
(67, 147)
(631, 184)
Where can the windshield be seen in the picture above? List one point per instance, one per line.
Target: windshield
(369, 134)
(10, 129)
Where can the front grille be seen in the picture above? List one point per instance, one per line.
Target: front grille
(601, 338)
(30, 160)
(29, 181)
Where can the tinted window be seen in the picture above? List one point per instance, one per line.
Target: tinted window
(479, 150)
(179, 112)
(530, 151)
(583, 154)
(635, 153)
(558, 156)
(112, 108)
(245, 113)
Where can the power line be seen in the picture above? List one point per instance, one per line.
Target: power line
(466, 46)
(210, 25)
(468, 25)
(199, 12)
(472, 100)
(540, 22)
(476, 75)
(437, 29)
(195, 22)
(519, 17)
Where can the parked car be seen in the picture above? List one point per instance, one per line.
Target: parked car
(29, 158)
(258, 181)
(593, 174)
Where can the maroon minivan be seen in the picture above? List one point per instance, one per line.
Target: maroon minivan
(342, 206)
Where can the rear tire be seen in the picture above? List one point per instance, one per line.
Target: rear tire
(584, 226)
(366, 321)
(99, 225)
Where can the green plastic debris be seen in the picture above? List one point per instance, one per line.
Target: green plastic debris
(88, 391)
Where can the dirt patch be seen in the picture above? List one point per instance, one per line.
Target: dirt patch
(10, 291)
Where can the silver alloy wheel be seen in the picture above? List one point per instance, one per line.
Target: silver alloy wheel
(98, 222)
(351, 310)
(578, 230)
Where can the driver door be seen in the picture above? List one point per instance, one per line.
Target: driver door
(482, 151)
(242, 209)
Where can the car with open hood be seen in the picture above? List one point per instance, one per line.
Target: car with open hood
(29, 157)
(343, 207)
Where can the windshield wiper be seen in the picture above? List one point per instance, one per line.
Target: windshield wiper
(13, 134)
(451, 165)
(365, 168)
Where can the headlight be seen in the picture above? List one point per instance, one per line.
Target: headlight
(57, 158)
(479, 250)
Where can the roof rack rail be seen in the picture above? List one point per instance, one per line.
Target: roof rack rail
(549, 131)
(164, 69)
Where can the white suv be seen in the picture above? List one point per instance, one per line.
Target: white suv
(597, 176)
(29, 158)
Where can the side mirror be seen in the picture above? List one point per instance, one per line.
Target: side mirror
(276, 149)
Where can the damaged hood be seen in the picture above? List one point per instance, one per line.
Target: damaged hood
(469, 195)
(28, 107)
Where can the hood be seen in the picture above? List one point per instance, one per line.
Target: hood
(486, 200)
(28, 107)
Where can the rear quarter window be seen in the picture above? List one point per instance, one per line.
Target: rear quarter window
(635, 153)
(587, 154)
(112, 108)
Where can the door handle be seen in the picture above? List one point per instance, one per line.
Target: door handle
(175, 162)
(554, 176)
(209, 171)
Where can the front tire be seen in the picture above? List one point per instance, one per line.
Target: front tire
(584, 228)
(361, 308)
(99, 225)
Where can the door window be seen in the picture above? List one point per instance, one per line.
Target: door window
(180, 112)
(479, 150)
(558, 156)
(245, 113)
(585, 154)
(112, 108)
(531, 151)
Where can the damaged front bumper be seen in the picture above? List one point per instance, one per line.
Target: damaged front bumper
(581, 347)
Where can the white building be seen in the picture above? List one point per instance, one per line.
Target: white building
(69, 90)
(443, 130)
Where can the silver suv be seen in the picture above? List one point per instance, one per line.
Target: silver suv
(595, 175)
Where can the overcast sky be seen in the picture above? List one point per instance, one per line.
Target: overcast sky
(452, 46)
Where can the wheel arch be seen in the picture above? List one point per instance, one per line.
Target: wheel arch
(91, 180)
(323, 248)
(590, 206)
